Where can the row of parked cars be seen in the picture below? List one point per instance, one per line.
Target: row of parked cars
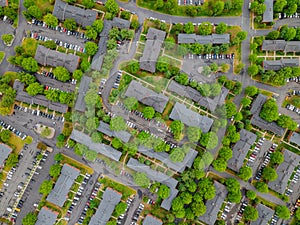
(266, 161)
(87, 206)
(60, 29)
(52, 76)
(121, 218)
(12, 129)
(274, 219)
(255, 152)
(226, 210)
(210, 56)
(118, 79)
(284, 15)
(293, 108)
(102, 83)
(137, 214)
(293, 79)
(7, 20)
(241, 211)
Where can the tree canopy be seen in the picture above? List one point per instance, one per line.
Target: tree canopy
(131, 103)
(282, 211)
(61, 73)
(269, 111)
(141, 179)
(250, 213)
(193, 134)
(245, 173)
(148, 112)
(269, 173)
(91, 48)
(117, 123)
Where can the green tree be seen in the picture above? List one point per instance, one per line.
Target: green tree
(193, 134)
(282, 211)
(12, 160)
(30, 64)
(148, 112)
(189, 28)
(287, 122)
(77, 75)
(253, 70)
(246, 102)
(134, 24)
(269, 173)
(55, 170)
(34, 89)
(251, 194)
(50, 20)
(112, 7)
(29, 219)
(251, 90)
(206, 189)
(279, 5)
(131, 103)
(276, 158)
(218, 7)
(61, 73)
(91, 48)
(177, 155)
(209, 140)
(120, 208)
(91, 155)
(225, 153)
(177, 204)
(88, 3)
(116, 143)
(28, 3)
(214, 67)
(269, 111)
(70, 24)
(117, 123)
(297, 214)
(97, 137)
(5, 136)
(163, 191)
(7, 38)
(242, 35)
(220, 164)
(205, 28)
(221, 28)
(273, 35)
(91, 32)
(261, 187)
(58, 157)
(134, 67)
(177, 127)
(141, 179)
(46, 187)
(250, 213)
(98, 26)
(245, 173)
(92, 123)
(50, 44)
(35, 12)
(230, 109)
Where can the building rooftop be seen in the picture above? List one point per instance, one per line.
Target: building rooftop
(279, 64)
(83, 88)
(264, 215)
(147, 96)
(3, 3)
(23, 96)
(120, 23)
(295, 138)
(193, 94)
(105, 129)
(59, 193)
(213, 206)
(203, 39)
(284, 171)
(268, 14)
(46, 56)
(165, 158)
(152, 48)
(261, 123)
(191, 118)
(240, 150)
(84, 17)
(108, 203)
(281, 45)
(46, 217)
(100, 148)
(156, 176)
(151, 220)
(5, 150)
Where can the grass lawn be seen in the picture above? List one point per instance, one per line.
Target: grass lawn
(77, 164)
(30, 45)
(126, 191)
(45, 6)
(2, 55)
(294, 100)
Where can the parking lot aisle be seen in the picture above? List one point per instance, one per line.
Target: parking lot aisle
(8, 199)
(31, 194)
(259, 158)
(132, 209)
(82, 201)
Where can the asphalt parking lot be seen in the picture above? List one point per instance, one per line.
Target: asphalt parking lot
(260, 157)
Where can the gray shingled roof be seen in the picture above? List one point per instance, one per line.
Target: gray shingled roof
(3, 3)
(147, 96)
(120, 23)
(213, 206)
(165, 158)
(151, 220)
(264, 215)
(107, 25)
(152, 48)
(240, 149)
(84, 17)
(98, 58)
(279, 64)
(108, 203)
(46, 217)
(190, 118)
(281, 45)
(156, 176)
(23, 96)
(284, 171)
(207, 39)
(5, 150)
(105, 129)
(268, 14)
(83, 88)
(59, 193)
(295, 138)
(103, 149)
(46, 56)
(256, 120)
(193, 94)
